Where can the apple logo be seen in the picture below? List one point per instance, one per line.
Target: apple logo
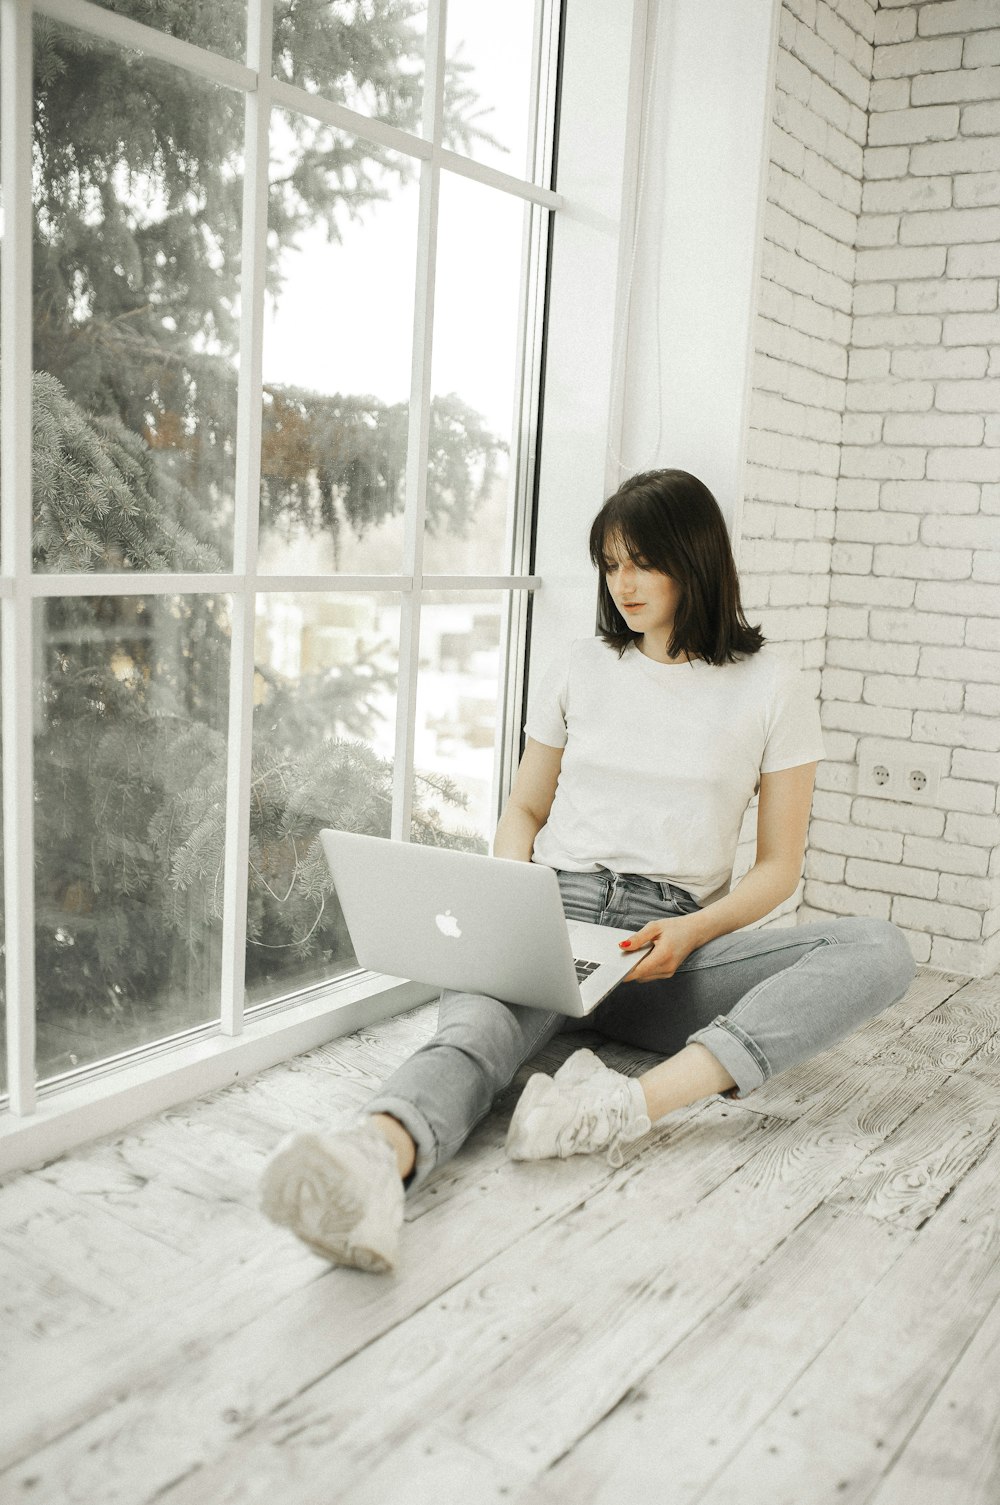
(447, 924)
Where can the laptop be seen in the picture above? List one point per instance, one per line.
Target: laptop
(470, 923)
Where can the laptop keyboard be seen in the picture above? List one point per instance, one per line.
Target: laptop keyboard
(584, 969)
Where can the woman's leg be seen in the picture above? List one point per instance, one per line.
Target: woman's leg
(757, 1002)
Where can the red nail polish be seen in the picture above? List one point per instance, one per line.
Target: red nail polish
(624, 943)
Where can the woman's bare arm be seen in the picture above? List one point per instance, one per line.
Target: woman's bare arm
(530, 801)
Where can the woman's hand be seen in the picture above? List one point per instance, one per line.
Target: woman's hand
(672, 940)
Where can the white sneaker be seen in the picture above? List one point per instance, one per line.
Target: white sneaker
(585, 1107)
(341, 1194)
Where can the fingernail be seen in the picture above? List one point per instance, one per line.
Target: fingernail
(624, 943)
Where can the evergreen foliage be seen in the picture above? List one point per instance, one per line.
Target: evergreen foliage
(136, 281)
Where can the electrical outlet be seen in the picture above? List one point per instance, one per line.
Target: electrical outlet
(897, 772)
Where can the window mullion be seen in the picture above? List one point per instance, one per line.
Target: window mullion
(418, 435)
(245, 532)
(18, 691)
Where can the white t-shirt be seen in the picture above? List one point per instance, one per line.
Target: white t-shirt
(661, 760)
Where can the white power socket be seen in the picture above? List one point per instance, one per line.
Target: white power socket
(910, 775)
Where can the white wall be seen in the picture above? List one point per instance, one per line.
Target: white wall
(709, 72)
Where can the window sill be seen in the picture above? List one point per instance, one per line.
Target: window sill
(66, 1116)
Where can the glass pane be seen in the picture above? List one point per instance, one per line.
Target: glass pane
(337, 353)
(458, 694)
(138, 195)
(219, 27)
(474, 380)
(323, 745)
(130, 766)
(491, 82)
(368, 57)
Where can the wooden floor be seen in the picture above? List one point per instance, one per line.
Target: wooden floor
(792, 1299)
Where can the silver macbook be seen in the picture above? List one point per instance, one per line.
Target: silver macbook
(475, 924)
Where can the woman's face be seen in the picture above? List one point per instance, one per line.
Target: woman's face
(646, 598)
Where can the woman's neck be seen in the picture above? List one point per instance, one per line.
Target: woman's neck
(657, 651)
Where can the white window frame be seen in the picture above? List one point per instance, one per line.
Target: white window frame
(599, 112)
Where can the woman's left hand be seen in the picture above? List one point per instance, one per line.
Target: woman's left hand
(672, 940)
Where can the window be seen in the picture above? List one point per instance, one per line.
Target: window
(283, 360)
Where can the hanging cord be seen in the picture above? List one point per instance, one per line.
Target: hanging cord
(620, 343)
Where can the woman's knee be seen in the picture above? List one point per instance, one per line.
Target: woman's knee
(887, 948)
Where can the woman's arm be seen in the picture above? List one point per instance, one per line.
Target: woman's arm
(782, 819)
(527, 809)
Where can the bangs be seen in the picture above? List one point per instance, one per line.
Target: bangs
(621, 526)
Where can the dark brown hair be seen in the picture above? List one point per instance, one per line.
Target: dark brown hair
(668, 520)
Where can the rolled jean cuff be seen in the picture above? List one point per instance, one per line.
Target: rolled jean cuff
(419, 1130)
(734, 1050)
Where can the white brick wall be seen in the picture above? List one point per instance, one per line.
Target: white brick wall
(898, 408)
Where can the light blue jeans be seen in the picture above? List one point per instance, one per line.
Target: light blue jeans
(759, 1000)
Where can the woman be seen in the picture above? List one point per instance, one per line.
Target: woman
(642, 754)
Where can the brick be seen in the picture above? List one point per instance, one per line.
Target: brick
(973, 765)
(933, 428)
(977, 188)
(981, 119)
(961, 532)
(853, 79)
(976, 154)
(945, 856)
(949, 88)
(889, 94)
(886, 463)
(981, 632)
(913, 692)
(970, 893)
(828, 805)
(829, 104)
(982, 700)
(840, 746)
(965, 795)
(859, 495)
(887, 815)
(968, 599)
(877, 230)
(947, 919)
(955, 363)
(976, 295)
(870, 364)
(847, 622)
(977, 732)
(794, 624)
(827, 867)
(897, 195)
(861, 428)
(892, 878)
(990, 503)
(930, 496)
(968, 957)
(867, 720)
(961, 664)
(834, 899)
(956, 16)
(901, 328)
(877, 527)
(920, 945)
(896, 264)
(922, 563)
(884, 846)
(970, 329)
(974, 261)
(931, 123)
(968, 396)
(890, 396)
(895, 25)
(861, 589)
(983, 50)
(879, 658)
(852, 559)
(873, 298)
(938, 227)
(916, 627)
(886, 162)
(842, 684)
(986, 566)
(963, 464)
(906, 59)
(973, 830)
(839, 777)
(833, 29)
